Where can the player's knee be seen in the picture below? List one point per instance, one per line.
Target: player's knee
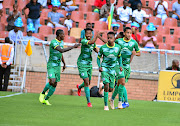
(106, 87)
(55, 84)
(52, 81)
(86, 82)
(110, 89)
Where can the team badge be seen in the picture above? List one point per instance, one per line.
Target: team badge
(82, 74)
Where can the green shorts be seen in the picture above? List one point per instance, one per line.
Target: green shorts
(85, 71)
(108, 76)
(54, 72)
(127, 72)
(119, 74)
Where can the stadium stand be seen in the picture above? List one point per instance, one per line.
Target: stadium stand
(76, 32)
(170, 22)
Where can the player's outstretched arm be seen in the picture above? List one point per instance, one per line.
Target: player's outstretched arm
(96, 50)
(64, 67)
(101, 38)
(93, 41)
(66, 49)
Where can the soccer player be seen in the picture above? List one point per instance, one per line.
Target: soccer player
(111, 53)
(84, 62)
(54, 65)
(127, 47)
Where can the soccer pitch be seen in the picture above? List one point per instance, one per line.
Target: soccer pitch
(26, 110)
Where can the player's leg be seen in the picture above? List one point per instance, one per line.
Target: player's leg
(105, 77)
(111, 87)
(81, 72)
(79, 88)
(121, 83)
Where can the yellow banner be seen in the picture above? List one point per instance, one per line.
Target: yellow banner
(169, 86)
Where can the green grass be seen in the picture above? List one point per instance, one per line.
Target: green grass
(25, 110)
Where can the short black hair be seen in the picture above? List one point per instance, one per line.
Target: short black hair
(88, 29)
(111, 33)
(127, 28)
(121, 34)
(58, 32)
(88, 24)
(7, 40)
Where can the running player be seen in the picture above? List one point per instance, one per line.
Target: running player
(127, 45)
(54, 65)
(111, 53)
(84, 62)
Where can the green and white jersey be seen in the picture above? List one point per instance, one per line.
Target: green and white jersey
(110, 55)
(55, 56)
(126, 50)
(85, 58)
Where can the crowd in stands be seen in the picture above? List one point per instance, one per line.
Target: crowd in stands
(154, 23)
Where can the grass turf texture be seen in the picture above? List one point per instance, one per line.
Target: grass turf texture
(26, 110)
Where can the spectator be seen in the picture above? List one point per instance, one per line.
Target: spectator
(176, 10)
(68, 22)
(16, 33)
(1, 7)
(30, 30)
(175, 66)
(99, 3)
(125, 13)
(54, 16)
(150, 41)
(133, 4)
(12, 17)
(115, 28)
(161, 10)
(34, 13)
(120, 35)
(6, 59)
(105, 10)
(139, 15)
(49, 5)
(88, 25)
(135, 35)
(68, 6)
(43, 3)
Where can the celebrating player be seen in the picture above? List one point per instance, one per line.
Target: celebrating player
(111, 53)
(127, 46)
(84, 62)
(54, 65)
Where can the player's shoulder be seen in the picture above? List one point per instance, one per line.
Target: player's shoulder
(133, 41)
(104, 46)
(117, 45)
(119, 40)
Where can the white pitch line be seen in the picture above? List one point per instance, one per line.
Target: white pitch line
(10, 95)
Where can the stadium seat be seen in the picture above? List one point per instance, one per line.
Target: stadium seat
(92, 16)
(163, 46)
(79, 1)
(177, 31)
(155, 20)
(7, 9)
(69, 39)
(175, 47)
(4, 34)
(85, 7)
(77, 15)
(45, 30)
(62, 28)
(100, 25)
(159, 38)
(4, 19)
(171, 39)
(150, 3)
(76, 32)
(22, 3)
(163, 30)
(170, 4)
(62, 12)
(51, 37)
(120, 3)
(2, 27)
(148, 11)
(8, 3)
(43, 20)
(38, 35)
(170, 22)
(91, 2)
(82, 23)
(45, 12)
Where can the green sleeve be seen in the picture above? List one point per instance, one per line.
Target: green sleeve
(136, 47)
(94, 46)
(84, 42)
(99, 57)
(120, 58)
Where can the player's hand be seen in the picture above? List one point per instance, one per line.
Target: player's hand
(64, 67)
(121, 69)
(76, 45)
(133, 53)
(100, 69)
